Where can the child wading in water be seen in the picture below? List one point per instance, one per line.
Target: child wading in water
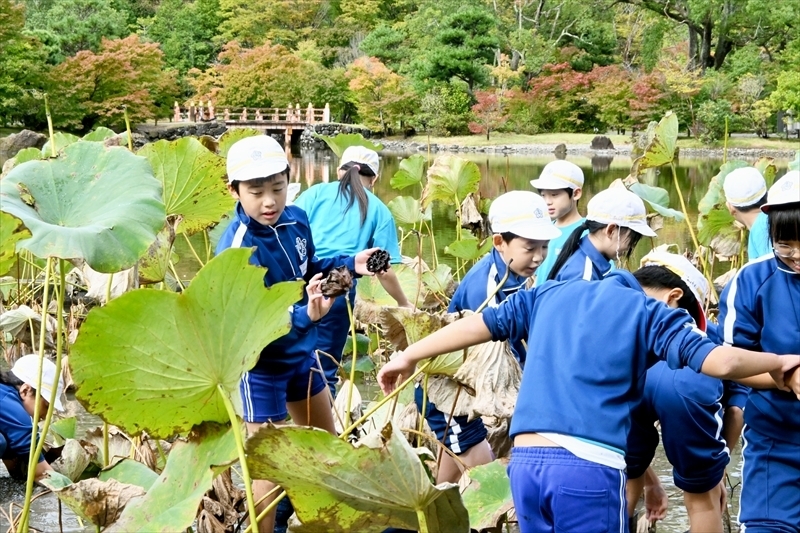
(560, 184)
(580, 381)
(745, 193)
(521, 231)
(760, 310)
(345, 218)
(278, 386)
(616, 219)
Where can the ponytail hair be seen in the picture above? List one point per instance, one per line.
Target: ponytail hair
(571, 245)
(659, 277)
(9, 378)
(352, 189)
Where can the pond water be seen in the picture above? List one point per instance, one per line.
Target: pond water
(500, 174)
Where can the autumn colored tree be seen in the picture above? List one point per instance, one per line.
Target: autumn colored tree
(255, 22)
(559, 95)
(383, 98)
(649, 99)
(611, 95)
(489, 112)
(93, 88)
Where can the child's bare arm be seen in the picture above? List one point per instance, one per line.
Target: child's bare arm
(727, 362)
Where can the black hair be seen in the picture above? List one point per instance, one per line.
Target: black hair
(753, 206)
(352, 189)
(659, 277)
(9, 378)
(258, 182)
(784, 222)
(574, 240)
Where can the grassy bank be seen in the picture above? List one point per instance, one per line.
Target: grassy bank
(572, 139)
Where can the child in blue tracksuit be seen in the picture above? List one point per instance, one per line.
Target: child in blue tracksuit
(285, 380)
(616, 219)
(17, 404)
(581, 379)
(745, 193)
(345, 218)
(521, 230)
(697, 432)
(561, 186)
(760, 310)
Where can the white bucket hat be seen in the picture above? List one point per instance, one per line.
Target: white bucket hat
(688, 273)
(27, 369)
(559, 174)
(784, 191)
(523, 213)
(619, 206)
(744, 186)
(255, 157)
(361, 155)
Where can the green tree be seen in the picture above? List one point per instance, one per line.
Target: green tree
(463, 47)
(186, 32)
(382, 97)
(445, 109)
(280, 21)
(787, 94)
(70, 26)
(388, 45)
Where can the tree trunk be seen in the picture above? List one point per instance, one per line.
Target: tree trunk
(694, 49)
(487, 133)
(706, 59)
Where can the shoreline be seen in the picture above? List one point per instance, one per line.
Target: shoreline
(410, 146)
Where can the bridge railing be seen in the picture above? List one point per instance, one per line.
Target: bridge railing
(293, 115)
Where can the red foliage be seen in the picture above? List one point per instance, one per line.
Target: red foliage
(489, 112)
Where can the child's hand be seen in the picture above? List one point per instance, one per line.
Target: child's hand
(792, 380)
(318, 305)
(361, 261)
(399, 367)
(781, 376)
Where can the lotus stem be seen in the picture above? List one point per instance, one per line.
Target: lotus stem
(194, 253)
(685, 211)
(207, 244)
(267, 509)
(419, 269)
(50, 131)
(449, 421)
(441, 446)
(490, 297)
(33, 459)
(175, 273)
(237, 435)
(128, 128)
(424, 407)
(354, 358)
(423, 522)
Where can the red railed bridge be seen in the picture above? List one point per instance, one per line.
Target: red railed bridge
(269, 120)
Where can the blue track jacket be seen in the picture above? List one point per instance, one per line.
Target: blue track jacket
(287, 251)
(586, 263)
(481, 280)
(760, 311)
(588, 375)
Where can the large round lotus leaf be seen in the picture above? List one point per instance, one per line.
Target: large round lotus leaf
(451, 179)
(192, 179)
(152, 360)
(488, 495)
(99, 135)
(61, 140)
(172, 500)
(660, 149)
(408, 211)
(337, 487)
(11, 231)
(95, 203)
(658, 199)
(411, 172)
(468, 249)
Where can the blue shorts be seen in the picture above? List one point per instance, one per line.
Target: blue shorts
(462, 434)
(332, 332)
(555, 491)
(770, 501)
(3, 445)
(688, 406)
(265, 394)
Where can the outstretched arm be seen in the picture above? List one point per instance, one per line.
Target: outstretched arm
(727, 362)
(391, 285)
(460, 334)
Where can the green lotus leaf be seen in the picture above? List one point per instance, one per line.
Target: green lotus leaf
(715, 196)
(341, 142)
(65, 427)
(97, 502)
(450, 180)
(488, 495)
(468, 249)
(337, 487)
(660, 149)
(130, 472)
(170, 352)
(795, 163)
(364, 365)
(153, 266)
(62, 140)
(73, 460)
(192, 179)
(230, 137)
(411, 172)
(438, 280)
(27, 154)
(716, 222)
(657, 198)
(408, 211)
(99, 135)
(96, 203)
(768, 169)
(172, 500)
(11, 232)
(362, 344)
(369, 289)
